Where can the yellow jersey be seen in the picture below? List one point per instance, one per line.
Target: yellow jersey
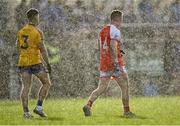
(28, 40)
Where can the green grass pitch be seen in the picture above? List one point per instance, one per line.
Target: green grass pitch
(106, 111)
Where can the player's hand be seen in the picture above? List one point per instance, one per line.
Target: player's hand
(48, 68)
(116, 67)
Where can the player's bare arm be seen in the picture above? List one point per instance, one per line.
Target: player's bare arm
(44, 55)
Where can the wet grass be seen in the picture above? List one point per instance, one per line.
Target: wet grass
(149, 110)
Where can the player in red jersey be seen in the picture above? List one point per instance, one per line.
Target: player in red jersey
(111, 64)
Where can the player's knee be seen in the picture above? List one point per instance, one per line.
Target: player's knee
(47, 84)
(26, 89)
(102, 89)
(24, 94)
(98, 91)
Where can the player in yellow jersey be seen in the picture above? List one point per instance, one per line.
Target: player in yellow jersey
(32, 52)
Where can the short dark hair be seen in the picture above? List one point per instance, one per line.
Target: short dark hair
(31, 13)
(115, 14)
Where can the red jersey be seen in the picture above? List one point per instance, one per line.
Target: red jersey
(108, 33)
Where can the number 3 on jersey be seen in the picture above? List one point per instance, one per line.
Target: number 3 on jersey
(25, 44)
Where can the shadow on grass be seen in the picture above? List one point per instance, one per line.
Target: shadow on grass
(123, 117)
(134, 117)
(49, 118)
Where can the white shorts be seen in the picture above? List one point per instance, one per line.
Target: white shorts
(117, 71)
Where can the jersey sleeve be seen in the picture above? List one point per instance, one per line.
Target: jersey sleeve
(115, 33)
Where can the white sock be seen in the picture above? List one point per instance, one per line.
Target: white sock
(38, 108)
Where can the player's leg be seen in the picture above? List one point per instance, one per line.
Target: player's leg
(123, 82)
(26, 87)
(43, 92)
(102, 86)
